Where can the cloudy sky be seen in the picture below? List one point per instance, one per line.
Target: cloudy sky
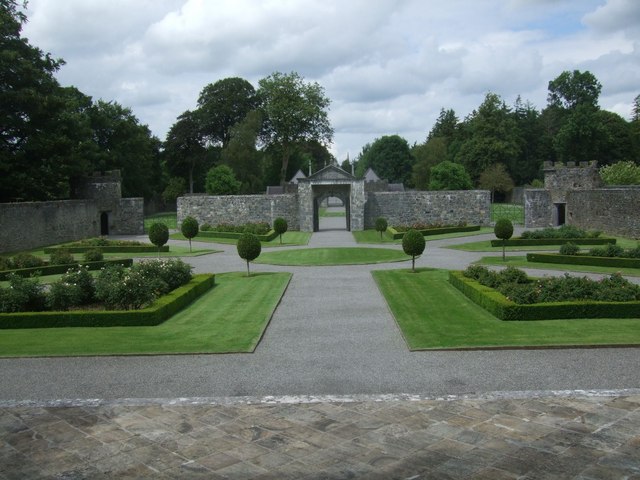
(388, 66)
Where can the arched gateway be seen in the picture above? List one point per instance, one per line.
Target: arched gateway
(331, 181)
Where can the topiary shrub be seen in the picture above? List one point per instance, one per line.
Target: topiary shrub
(93, 255)
(280, 226)
(249, 248)
(158, 235)
(26, 260)
(569, 249)
(23, 295)
(413, 244)
(503, 230)
(381, 225)
(61, 257)
(81, 277)
(189, 229)
(6, 263)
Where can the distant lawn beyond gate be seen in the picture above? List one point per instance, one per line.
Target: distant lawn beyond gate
(232, 317)
(432, 314)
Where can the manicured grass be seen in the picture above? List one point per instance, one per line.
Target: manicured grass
(322, 212)
(174, 251)
(288, 239)
(332, 256)
(485, 246)
(521, 262)
(230, 318)
(373, 236)
(432, 314)
(510, 211)
(168, 218)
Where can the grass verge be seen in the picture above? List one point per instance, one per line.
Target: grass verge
(231, 317)
(432, 314)
(289, 239)
(485, 246)
(332, 256)
(168, 218)
(521, 262)
(373, 237)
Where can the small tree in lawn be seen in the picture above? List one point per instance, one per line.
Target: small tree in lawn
(503, 231)
(159, 235)
(249, 248)
(413, 244)
(190, 229)
(381, 225)
(280, 226)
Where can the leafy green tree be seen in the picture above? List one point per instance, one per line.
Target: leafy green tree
(621, 173)
(158, 235)
(222, 181)
(280, 226)
(571, 89)
(449, 176)
(390, 157)
(249, 248)
(503, 230)
(293, 111)
(190, 229)
(527, 165)
(496, 179)
(242, 155)
(413, 244)
(184, 148)
(446, 126)
(381, 225)
(427, 156)
(175, 188)
(224, 104)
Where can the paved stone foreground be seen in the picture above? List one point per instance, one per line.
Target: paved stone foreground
(529, 436)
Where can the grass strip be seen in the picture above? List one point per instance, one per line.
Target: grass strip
(289, 239)
(373, 236)
(485, 246)
(332, 256)
(432, 314)
(521, 262)
(231, 317)
(168, 218)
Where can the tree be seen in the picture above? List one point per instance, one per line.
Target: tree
(184, 147)
(390, 157)
(413, 244)
(158, 235)
(242, 155)
(190, 229)
(427, 156)
(175, 188)
(280, 226)
(496, 179)
(621, 173)
(381, 225)
(503, 230)
(293, 111)
(527, 165)
(446, 126)
(222, 105)
(571, 89)
(249, 248)
(449, 176)
(635, 113)
(222, 181)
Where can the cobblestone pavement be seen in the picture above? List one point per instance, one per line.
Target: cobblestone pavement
(520, 436)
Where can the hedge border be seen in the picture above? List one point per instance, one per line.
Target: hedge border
(109, 249)
(504, 309)
(211, 234)
(57, 269)
(161, 310)
(434, 231)
(532, 242)
(618, 262)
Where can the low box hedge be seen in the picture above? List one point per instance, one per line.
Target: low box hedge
(211, 234)
(617, 262)
(58, 269)
(109, 249)
(435, 231)
(532, 242)
(504, 309)
(161, 310)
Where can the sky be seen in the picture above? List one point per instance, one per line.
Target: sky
(388, 66)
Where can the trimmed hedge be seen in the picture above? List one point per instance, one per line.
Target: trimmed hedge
(504, 309)
(161, 310)
(532, 242)
(434, 231)
(618, 262)
(58, 269)
(211, 234)
(110, 249)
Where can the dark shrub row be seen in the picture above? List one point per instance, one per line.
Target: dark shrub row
(426, 226)
(565, 231)
(58, 269)
(610, 250)
(396, 234)
(584, 260)
(532, 242)
(258, 228)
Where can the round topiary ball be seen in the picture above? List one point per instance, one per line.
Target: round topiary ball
(503, 231)
(158, 235)
(280, 226)
(249, 248)
(381, 225)
(189, 229)
(413, 244)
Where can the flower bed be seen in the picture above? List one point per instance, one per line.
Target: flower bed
(211, 234)
(47, 269)
(398, 232)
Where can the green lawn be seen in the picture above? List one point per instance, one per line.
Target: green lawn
(373, 237)
(322, 212)
(332, 256)
(230, 318)
(521, 262)
(432, 314)
(288, 239)
(168, 218)
(485, 246)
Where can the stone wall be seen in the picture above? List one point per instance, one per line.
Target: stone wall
(472, 207)
(35, 224)
(614, 210)
(538, 208)
(560, 178)
(129, 218)
(239, 209)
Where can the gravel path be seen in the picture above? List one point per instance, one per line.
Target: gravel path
(332, 334)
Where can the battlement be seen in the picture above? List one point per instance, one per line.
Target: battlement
(550, 166)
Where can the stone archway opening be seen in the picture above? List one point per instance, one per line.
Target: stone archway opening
(336, 193)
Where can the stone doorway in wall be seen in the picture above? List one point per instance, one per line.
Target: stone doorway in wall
(104, 223)
(331, 207)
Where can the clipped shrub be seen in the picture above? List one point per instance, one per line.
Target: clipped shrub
(6, 264)
(63, 295)
(61, 257)
(158, 235)
(381, 225)
(569, 249)
(26, 260)
(172, 273)
(609, 250)
(23, 295)
(503, 230)
(280, 226)
(249, 248)
(93, 255)
(120, 289)
(413, 244)
(189, 229)
(80, 277)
